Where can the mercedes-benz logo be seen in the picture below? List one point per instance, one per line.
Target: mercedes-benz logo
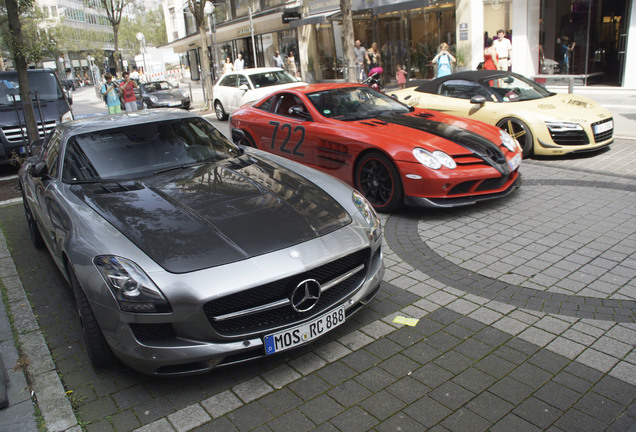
(305, 295)
(495, 155)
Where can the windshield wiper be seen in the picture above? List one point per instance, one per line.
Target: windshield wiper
(183, 166)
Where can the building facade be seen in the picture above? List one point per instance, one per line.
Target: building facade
(581, 41)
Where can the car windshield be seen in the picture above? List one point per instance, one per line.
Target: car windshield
(266, 79)
(144, 149)
(355, 103)
(42, 84)
(157, 86)
(510, 88)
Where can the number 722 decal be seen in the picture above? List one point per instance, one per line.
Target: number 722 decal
(288, 128)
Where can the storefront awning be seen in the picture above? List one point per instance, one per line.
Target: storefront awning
(313, 19)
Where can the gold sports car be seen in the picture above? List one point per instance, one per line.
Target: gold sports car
(544, 123)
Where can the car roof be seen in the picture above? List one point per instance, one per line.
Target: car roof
(311, 88)
(472, 75)
(252, 71)
(102, 122)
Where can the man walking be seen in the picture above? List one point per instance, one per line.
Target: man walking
(128, 91)
(360, 56)
(503, 48)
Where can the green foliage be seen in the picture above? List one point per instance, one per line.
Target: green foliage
(151, 24)
(36, 43)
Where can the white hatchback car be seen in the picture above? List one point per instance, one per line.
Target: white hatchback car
(237, 88)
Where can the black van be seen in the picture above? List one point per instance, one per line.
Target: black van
(51, 106)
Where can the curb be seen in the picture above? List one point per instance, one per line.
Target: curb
(46, 386)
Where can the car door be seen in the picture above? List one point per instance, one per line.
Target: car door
(288, 129)
(238, 92)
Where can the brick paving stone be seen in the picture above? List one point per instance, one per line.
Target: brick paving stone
(511, 390)
(399, 422)
(293, 421)
(431, 375)
(615, 389)
(349, 393)
(336, 373)
(322, 408)
(599, 407)
(309, 387)
(577, 421)
(280, 402)
(495, 366)
(354, 420)
(249, 416)
(427, 411)
(537, 412)
(451, 395)
(514, 423)
(557, 395)
(221, 403)
(464, 420)
(188, 418)
(407, 389)
(382, 404)
(489, 406)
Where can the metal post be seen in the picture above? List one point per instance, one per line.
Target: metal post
(249, 8)
(216, 48)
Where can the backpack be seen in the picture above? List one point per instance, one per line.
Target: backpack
(105, 95)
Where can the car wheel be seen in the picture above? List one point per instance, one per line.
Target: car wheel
(97, 348)
(32, 226)
(519, 131)
(220, 112)
(379, 181)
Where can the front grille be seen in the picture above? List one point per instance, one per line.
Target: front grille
(492, 184)
(280, 290)
(153, 332)
(575, 137)
(603, 136)
(14, 135)
(462, 188)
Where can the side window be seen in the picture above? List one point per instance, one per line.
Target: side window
(243, 80)
(286, 102)
(462, 89)
(267, 105)
(229, 81)
(51, 154)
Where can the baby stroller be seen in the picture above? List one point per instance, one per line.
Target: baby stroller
(373, 80)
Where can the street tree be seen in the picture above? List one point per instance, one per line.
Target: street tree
(197, 8)
(114, 10)
(348, 39)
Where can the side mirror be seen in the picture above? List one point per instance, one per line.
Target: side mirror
(39, 169)
(478, 100)
(244, 87)
(299, 111)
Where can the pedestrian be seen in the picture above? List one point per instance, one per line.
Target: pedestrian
(127, 88)
(503, 48)
(374, 59)
(490, 56)
(444, 60)
(400, 76)
(111, 95)
(228, 66)
(565, 48)
(135, 74)
(360, 54)
(291, 64)
(278, 60)
(239, 63)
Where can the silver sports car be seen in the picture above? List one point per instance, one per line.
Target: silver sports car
(185, 251)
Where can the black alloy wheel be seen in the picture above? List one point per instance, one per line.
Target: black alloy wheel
(220, 112)
(379, 181)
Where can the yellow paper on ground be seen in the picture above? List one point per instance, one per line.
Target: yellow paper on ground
(406, 321)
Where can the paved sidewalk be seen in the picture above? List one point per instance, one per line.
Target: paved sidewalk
(527, 321)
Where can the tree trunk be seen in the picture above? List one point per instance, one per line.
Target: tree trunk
(348, 39)
(16, 43)
(205, 65)
(116, 53)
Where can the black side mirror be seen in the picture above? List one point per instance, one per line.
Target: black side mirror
(299, 111)
(478, 100)
(39, 169)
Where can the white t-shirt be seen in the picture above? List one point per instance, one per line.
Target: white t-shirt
(502, 47)
(239, 64)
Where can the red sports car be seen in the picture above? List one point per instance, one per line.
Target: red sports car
(391, 152)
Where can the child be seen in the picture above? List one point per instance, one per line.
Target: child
(400, 75)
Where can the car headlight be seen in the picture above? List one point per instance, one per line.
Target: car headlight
(153, 99)
(563, 126)
(132, 288)
(434, 160)
(367, 211)
(67, 116)
(508, 141)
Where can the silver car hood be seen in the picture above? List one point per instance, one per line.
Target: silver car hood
(195, 218)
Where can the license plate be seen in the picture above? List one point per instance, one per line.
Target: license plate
(22, 150)
(174, 103)
(301, 334)
(603, 127)
(514, 162)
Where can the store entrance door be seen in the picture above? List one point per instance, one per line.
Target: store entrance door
(608, 53)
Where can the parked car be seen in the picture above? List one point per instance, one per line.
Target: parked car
(543, 122)
(392, 153)
(161, 94)
(234, 89)
(184, 251)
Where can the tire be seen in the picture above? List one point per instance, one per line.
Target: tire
(519, 131)
(220, 112)
(32, 226)
(97, 348)
(379, 181)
